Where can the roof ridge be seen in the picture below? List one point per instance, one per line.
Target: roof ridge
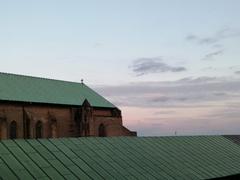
(38, 77)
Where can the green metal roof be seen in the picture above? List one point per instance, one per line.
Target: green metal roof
(197, 157)
(39, 90)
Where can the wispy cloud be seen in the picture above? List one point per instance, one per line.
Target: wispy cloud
(208, 40)
(209, 68)
(214, 41)
(234, 67)
(237, 72)
(191, 37)
(215, 38)
(211, 55)
(204, 105)
(143, 66)
(184, 92)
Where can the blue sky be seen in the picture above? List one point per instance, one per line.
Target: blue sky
(132, 45)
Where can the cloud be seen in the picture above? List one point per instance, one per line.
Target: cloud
(187, 92)
(143, 66)
(211, 55)
(203, 105)
(164, 112)
(160, 99)
(237, 72)
(234, 67)
(209, 68)
(217, 46)
(208, 40)
(191, 37)
(214, 39)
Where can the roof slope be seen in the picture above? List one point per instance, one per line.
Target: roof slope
(234, 138)
(199, 157)
(39, 90)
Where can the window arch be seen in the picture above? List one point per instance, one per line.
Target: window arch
(13, 130)
(54, 129)
(28, 125)
(101, 130)
(4, 129)
(39, 129)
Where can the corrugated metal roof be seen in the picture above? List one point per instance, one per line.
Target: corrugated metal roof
(39, 90)
(234, 138)
(197, 157)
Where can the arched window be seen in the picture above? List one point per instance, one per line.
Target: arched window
(39, 129)
(101, 131)
(54, 129)
(4, 129)
(28, 128)
(13, 130)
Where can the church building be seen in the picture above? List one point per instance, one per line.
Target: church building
(33, 107)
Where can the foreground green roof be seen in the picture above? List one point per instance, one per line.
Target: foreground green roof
(199, 157)
(39, 90)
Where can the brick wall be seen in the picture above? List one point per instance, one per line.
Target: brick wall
(57, 121)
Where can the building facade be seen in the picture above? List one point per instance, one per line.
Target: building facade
(49, 110)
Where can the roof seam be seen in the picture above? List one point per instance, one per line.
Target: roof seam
(96, 162)
(51, 154)
(46, 161)
(10, 169)
(33, 160)
(89, 144)
(119, 149)
(152, 152)
(195, 157)
(59, 150)
(82, 159)
(25, 168)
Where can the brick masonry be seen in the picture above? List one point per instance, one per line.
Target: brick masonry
(55, 121)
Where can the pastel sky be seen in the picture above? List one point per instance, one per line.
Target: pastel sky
(171, 66)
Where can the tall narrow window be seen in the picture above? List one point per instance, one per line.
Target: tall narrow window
(13, 130)
(101, 131)
(4, 129)
(39, 129)
(54, 129)
(28, 128)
